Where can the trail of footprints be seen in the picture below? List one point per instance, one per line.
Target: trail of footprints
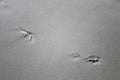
(28, 36)
(92, 59)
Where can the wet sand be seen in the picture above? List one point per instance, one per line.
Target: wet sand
(60, 28)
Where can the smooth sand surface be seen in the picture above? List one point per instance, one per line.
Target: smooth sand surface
(60, 27)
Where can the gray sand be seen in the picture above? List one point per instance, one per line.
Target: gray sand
(59, 27)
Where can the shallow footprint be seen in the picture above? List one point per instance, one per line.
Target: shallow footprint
(3, 6)
(75, 56)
